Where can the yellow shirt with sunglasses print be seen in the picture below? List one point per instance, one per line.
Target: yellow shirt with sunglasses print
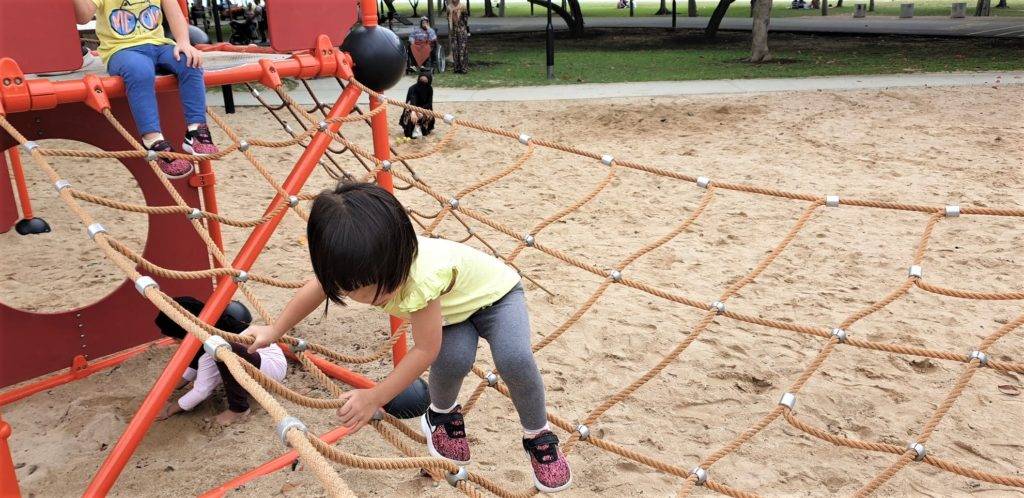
(122, 24)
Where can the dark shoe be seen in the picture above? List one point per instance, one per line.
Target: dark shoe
(550, 469)
(199, 141)
(446, 435)
(172, 168)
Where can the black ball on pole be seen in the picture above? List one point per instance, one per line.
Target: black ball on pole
(378, 56)
(411, 402)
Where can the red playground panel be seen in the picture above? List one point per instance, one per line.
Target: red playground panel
(295, 24)
(40, 34)
(123, 318)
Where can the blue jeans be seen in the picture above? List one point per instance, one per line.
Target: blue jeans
(138, 66)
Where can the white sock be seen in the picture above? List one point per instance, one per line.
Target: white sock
(450, 409)
(193, 127)
(149, 143)
(528, 434)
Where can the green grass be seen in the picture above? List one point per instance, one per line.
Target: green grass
(605, 56)
(740, 8)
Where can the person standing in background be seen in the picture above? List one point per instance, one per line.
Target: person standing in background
(458, 35)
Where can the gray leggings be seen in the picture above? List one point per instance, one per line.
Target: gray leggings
(506, 327)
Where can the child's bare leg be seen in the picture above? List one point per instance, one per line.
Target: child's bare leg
(228, 417)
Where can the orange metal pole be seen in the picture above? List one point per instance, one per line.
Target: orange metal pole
(382, 150)
(369, 8)
(19, 179)
(118, 358)
(208, 186)
(8, 479)
(105, 477)
(270, 466)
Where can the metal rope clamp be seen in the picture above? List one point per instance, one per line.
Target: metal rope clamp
(832, 201)
(289, 129)
(30, 146)
(61, 185)
(952, 211)
(584, 432)
(448, 119)
(607, 159)
(151, 155)
(718, 307)
(455, 478)
(919, 449)
(300, 346)
(95, 229)
(615, 275)
(385, 165)
(700, 474)
(524, 139)
(242, 277)
(142, 283)
(255, 92)
(286, 424)
(293, 200)
(788, 400)
(492, 379)
(703, 181)
(213, 343)
(839, 334)
(243, 146)
(914, 271)
(978, 355)
(195, 214)
(454, 203)
(529, 240)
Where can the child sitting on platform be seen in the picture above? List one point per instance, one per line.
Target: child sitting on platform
(363, 247)
(133, 45)
(206, 373)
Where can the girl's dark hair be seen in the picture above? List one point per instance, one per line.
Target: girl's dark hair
(359, 235)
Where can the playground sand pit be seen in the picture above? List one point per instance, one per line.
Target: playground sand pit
(932, 146)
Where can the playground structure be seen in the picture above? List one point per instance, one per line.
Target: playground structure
(94, 95)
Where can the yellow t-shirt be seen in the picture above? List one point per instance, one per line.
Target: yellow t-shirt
(121, 24)
(464, 279)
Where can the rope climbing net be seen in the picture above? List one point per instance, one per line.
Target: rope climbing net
(456, 207)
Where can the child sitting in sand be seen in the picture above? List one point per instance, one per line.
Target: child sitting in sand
(133, 45)
(206, 373)
(363, 247)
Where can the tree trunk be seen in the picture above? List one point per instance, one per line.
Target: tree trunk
(983, 8)
(759, 33)
(415, 5)
(839, 3)
(871, 5)
(573, 16)
(1001, 4)
(716, 18)
(663, 9)
(691, 8)
(489, 9)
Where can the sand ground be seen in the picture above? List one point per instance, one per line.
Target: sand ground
(933, 145)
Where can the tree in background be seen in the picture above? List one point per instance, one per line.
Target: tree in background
(691, 8)
(663, 9)
(489, 9)
(716, 18)
(1001, 4)
(983, 8)
(570, 13)
(759, 33)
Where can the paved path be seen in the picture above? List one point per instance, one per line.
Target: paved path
(328, 91)
(991, 27)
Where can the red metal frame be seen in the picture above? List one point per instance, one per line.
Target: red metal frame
(19, 181)
(40, 95)
(8, 479)
(78, 372)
